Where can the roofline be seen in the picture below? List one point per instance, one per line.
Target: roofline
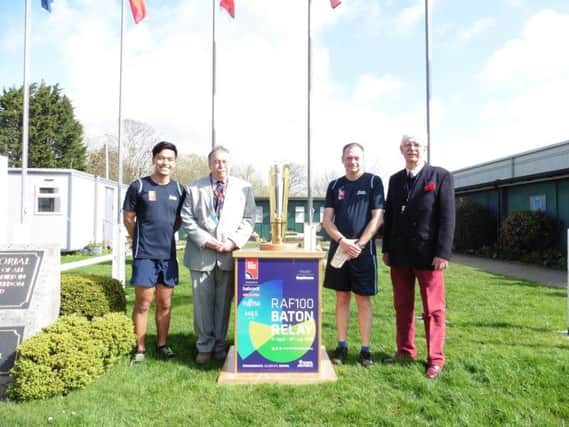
(509, 182)
(513, 156)
(56, 171)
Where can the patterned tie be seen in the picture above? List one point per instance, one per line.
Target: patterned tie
(219, 197)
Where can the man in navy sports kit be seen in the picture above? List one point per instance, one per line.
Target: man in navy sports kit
(151, 214)
(353, 213)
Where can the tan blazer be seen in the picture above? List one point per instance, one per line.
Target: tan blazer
(200, 222)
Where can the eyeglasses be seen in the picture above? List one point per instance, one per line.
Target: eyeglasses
(412, 145)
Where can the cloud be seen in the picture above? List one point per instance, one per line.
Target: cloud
(476, 29)
(410, 17)
(539, 53)
(370, 89)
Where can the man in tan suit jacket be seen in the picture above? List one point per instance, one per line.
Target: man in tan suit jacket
(218, 216)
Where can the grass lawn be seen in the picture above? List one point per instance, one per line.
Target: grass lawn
(507, 365)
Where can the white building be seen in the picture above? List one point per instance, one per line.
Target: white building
(64, 206)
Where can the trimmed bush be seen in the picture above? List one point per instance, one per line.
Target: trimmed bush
(476, 226)
(525, 232)
(91, 295)
(68, 355)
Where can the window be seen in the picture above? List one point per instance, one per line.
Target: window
(259, 215)
(299, 214)
(48, 200)
(537, 203)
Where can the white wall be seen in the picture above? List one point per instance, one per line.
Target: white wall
(45, 228)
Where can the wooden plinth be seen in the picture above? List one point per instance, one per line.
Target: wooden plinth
(229, 376)
(278, 246)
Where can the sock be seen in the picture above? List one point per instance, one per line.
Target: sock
(365, 348)
(342, 344)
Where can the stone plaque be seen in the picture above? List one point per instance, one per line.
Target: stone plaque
(18, 275)
(10, 338)
(30, 293)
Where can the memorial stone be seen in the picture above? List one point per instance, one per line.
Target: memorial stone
(29, 297)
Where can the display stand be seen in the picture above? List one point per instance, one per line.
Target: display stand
(277, 320)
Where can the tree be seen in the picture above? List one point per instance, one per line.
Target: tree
(297, 175)
(138, 139)
(191, 167)
(320, 184)
(249, 174)
(55, 136)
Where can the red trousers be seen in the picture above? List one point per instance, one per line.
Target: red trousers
(432, 285)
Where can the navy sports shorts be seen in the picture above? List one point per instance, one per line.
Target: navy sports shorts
(358, 275)
(150, 272)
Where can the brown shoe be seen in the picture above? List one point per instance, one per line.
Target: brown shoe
(434, 371)
(220, 355)
(203, 358)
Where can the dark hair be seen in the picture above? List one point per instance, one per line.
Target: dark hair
(163, 145)
(351, 145)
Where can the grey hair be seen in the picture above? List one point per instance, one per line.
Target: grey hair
(419, 137)
(215, 150)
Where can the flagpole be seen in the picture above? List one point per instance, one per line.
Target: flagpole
(213, 74)
(308, 117)
(428, 75)
(26, 114)
(118, 247)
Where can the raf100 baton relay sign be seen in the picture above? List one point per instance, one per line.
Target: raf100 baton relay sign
(277, 315)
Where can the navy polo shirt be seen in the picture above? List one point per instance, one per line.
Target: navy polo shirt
(156, 207)
(353, 202)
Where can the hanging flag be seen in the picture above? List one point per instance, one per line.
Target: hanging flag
(229, 6)
(138, 10)
(46, 4)
(335, 3)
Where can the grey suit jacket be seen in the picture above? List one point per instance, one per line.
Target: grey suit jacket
(200, 222)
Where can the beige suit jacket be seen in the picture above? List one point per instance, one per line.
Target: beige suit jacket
(200, 222)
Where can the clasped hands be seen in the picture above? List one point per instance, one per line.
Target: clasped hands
(221, 247)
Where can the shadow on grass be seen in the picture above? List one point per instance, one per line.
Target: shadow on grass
(500, 325)
(184, 345)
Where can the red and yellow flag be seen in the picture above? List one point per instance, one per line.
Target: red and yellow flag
(138, 10)
(229, 6)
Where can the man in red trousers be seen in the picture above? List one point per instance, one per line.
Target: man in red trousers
(417, 243)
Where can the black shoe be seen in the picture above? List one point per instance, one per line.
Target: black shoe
(365, 359)
(137, 358)
(339, 355)
(165, 353)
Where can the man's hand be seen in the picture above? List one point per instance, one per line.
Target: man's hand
(351, 248)
(217, 246)
(214, 245)
(440, 263)
(227, 246)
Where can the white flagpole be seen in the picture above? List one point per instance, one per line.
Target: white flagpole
(308, 117)
(26, 114)
(213, 73)
(118, 247)
(428, 75)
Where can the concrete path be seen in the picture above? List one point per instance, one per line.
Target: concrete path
(545, 276)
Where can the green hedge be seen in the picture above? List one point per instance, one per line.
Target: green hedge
(68, 355)
(524, 232)
(476, 226)
(91, 295)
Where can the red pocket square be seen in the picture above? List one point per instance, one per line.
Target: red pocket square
(429, 187)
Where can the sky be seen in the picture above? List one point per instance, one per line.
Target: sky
(499, 75)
